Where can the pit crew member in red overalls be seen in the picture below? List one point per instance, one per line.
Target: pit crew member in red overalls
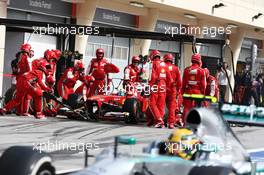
(84, 88)
(96, 69)
(194, 82)
(50, 107)
(24, 66)
(23, 62)
(55, 59)
(160, 79)
(30, 83)
(212, 87)
(69, 78)
(131, 76)
(173, 91)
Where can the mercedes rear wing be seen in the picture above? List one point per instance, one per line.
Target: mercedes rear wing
(232, 113)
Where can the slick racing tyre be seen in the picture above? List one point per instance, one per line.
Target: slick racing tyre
(132, 107)
(75, 101)
(10, 94)
(211, 170)
(25, 160)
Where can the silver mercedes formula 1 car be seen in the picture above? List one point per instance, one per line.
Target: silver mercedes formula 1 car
(221, 154)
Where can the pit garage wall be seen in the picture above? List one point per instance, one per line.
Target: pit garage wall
(246, 52)
(123, 47)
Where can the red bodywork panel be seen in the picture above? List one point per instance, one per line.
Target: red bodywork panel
(118, 100)
(107, 98)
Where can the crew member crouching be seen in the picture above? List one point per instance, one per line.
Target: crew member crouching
(30, 83)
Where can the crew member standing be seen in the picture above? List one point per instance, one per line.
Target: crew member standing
(194, 82)
(211, 86)
(172, 91)
(24, 66)
(97, 70)
(23, 61)
(131, 76)
(160, 79)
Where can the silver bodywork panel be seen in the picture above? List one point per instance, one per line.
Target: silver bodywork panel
(210, 127)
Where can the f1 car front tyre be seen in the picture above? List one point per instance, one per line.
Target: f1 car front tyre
(75, 101)
(132, 107)
(211, 170)
(25, 160)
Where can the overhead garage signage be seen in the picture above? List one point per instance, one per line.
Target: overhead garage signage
(115, 18)
(51, 7)
(163, 26)
(40, 4)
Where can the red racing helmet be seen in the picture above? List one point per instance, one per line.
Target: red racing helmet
(49, 55)
(99, 53)
(196, 58)
(57, 54)
(79, 66)
(154, 54)
(135, 59)
(168, 57)
(25, 47)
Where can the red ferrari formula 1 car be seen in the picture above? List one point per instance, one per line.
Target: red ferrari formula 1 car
(131, 108)
(115, 105)
(112, 105)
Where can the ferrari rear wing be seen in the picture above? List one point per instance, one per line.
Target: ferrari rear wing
(232, 113)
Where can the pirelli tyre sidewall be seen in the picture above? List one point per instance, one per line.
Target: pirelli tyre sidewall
(25, 160)
(132, 107)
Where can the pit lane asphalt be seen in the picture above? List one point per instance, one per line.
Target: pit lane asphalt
(61, 131)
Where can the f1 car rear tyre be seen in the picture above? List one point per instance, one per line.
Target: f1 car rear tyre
(10, 94)
(211, 170)
(132, 106)
(24, 160)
